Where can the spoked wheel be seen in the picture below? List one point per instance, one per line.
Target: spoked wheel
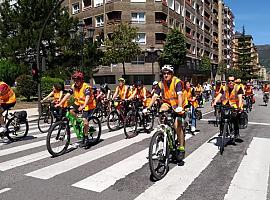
(45, 122)
(158, 156)
(58, 138)
(148, 121)
(17, 130)
(98, 113)
(223, 138)
(113, 120)
(94, 130)
(131, 124)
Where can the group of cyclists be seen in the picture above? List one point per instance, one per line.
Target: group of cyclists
(169, 93)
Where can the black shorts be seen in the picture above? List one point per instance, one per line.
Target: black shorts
(85, 114)
(7, 106)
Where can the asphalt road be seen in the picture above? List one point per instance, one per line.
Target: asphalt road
(117, 168)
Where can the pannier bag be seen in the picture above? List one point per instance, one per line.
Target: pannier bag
(20, 116)
(243, 120)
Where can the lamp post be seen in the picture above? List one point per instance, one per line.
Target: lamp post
(151, 55)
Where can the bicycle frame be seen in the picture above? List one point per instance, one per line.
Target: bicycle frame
(74, 122)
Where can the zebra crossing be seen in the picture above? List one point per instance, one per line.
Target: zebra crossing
(250, 180)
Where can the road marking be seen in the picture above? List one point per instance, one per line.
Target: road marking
(179, 178)
(74, 162)
(10, 164)
(252, 123)
(208, 112)
(250, 182)
(107, 177)
(4, 190)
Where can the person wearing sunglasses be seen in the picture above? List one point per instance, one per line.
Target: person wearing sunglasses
(231, 96)
(170, 91)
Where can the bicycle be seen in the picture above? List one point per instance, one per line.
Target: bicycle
(102, 109)
(17, 125)
(163, 145)
(217, 114)
(60, 132)
(48, 114)
(116, 117)
(227, 130)
(248, 105)
(135, 118)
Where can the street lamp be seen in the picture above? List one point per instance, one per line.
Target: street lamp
(91, 32)
(151, 55)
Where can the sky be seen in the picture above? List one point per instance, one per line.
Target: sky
(255, 16)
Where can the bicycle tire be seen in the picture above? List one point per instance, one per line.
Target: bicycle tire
(47, 118)
(12, 133)
(223, 138)
(114, 118)
(163, 159)
(98, 113)
(131, 120)
(148, 118)
(58, 127)
(95, 129)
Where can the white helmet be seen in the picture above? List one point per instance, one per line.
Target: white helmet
(155, 83)
(167, 68)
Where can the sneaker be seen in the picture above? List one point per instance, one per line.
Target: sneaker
(180, 153)
(3, 129)
(193, 129)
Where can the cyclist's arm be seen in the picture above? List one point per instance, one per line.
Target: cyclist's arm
(115, 93)
(64, 99)
(61, 95)
(49, 95)
(132, 96)
(154, 98)
(108, 94)
(87, 98)
(144, 94)
(218, 97)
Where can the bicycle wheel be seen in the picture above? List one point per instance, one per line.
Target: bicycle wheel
(94, 130)
(58, 138)
(158, 156)
(98, 113)
(17, 130)
(113, 121)
(131, 124)
(225, 131)
(45, 122)
(148, 122)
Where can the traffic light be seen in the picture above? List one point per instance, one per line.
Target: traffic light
(35, 72)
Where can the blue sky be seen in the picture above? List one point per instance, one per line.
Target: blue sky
(255, 16)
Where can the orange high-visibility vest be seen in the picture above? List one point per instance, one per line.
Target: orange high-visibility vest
(232, 98)
(187, 97)
(169, 95)
(266, 89)
(7, 95)
(56, 96)
(80, 97)
(121, 92)
(248, 91)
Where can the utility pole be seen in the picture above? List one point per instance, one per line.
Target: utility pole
(220, 33)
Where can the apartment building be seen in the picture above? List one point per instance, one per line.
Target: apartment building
(197, 19)
(252, 51)
(228, 33)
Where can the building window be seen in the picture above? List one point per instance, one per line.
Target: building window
(171, 4)
(177, 8)
(138, 60)
(110, 79)
(99, 21)
(75, 8)
(146, 79)
(86, 3)
(141, 38)
(98, 3)
(138, 17)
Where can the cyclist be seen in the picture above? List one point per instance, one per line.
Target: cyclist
(240, 84)
(84, 101)
(198, 93)
(218, 87)
(249, 92)
(121, 90)
(232, 96)
(207, 91)
(190, 102)
(170, 91)
(7, 101)
(266, 90)
(141, 93)
(57, 93)
(106, 91)
(154, 87)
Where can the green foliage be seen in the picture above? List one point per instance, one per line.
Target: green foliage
(10, 71)
(237, 73)
(47, 84)
(174, 49)
(221, 67)
(121, 47)
(60, 72)
(21, 24)
(205, 65)
(26, 86)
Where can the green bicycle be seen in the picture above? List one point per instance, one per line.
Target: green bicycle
(59, 135)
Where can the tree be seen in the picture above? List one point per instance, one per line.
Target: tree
(20, 25)
(10, 71)
(26, 86)
(174, 50)
(122, 46)
(205, 65)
